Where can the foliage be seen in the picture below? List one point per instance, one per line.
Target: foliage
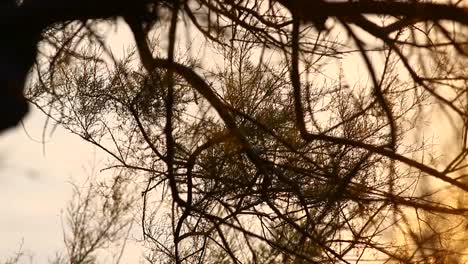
(269, 149)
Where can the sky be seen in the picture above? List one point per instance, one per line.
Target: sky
(35, 185)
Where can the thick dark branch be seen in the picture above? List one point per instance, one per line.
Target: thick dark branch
(46, 12)
(311, 10)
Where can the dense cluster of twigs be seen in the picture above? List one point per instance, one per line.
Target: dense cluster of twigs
(275, 150)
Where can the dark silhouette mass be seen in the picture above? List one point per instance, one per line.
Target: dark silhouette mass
(22, 23)
(18, 50)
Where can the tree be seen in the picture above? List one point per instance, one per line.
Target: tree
(272, 156)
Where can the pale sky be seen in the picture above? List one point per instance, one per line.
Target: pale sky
(35, 187)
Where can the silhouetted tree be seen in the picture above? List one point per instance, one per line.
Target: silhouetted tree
(277, 153)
